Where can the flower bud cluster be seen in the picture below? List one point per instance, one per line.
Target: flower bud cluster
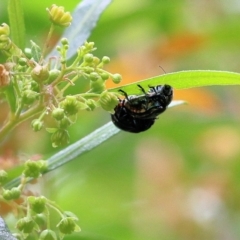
(37, 208)
(32, 86)
(58, 16)
(70, 105)
(6, 45)
(34, 169)
(48, 234)
(26, 225)
(68, 225)
(91, 68)
(108, 101)
(41, 84)
(37, 204)
(37, 125)
(11, 194)
(40, 73)
(60, 137)
(5, 41)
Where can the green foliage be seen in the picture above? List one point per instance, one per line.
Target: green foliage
(40, 88)
(187, 79)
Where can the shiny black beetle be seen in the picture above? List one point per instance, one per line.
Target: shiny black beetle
(137, 113)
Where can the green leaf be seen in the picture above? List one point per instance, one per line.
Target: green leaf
(85, 17)
(76, 149)
(11, 97)
(185, 79)
(80, 147)
(15, 13)
(36, 51)
(83, 145)
(51, 130)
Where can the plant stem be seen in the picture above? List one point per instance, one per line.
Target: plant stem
(88, 95)
(46, 45)
(14, 122)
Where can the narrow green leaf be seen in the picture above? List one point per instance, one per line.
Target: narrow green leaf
(80, 147)
(185, 79)
(83, 145)
(11, 98)
(51, 130)
(85, 17)
(15, 13)
(76, 149)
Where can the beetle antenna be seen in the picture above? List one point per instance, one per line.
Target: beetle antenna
(162, 69)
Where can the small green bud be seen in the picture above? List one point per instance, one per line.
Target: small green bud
(60, 137)
(34, 168)
(58, 48)
(91, 104)
(37, 125)
(108, 101)
(63, 60)
(3, 176)
(40, 219)
(34, 86)
(68, 225)
(70, 105)
(104, 76)
(94, 76)
(7, 195)
(16, 193)
(29, 96)
(40, 73)
(58, 113)
(59, 17)
(48, 234)
(22, 61)
(4, 29)
(97, 86)
(11, 194)
(106, 60)
(116, 78)
(96, 60)
(37, 204)
(53, 74)
(64, 41)
(89, 45)
(64, 123)
(28, 52)
(88, 69)
(26, 225)
(88, 57)
(83, 49)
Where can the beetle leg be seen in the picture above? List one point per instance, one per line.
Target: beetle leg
(124, 93)
(142, 89)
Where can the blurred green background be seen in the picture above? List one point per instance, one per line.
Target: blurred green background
(179, 180)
